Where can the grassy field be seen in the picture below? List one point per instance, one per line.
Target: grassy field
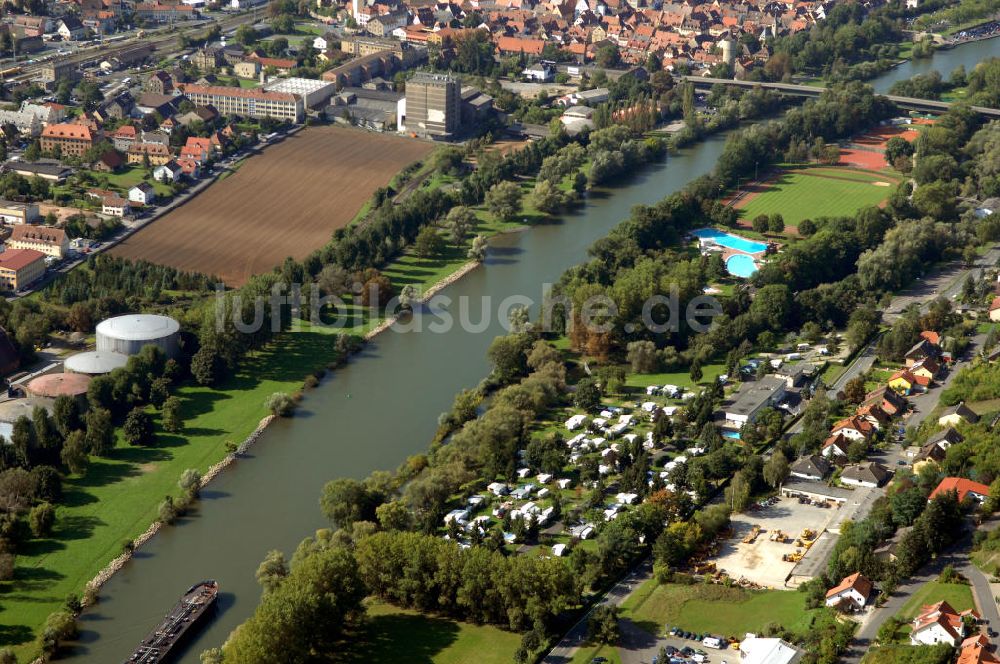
(959, 595)
(898, 654)
(810, 192)
(132, 176)
(118, 497)
(716, 609)
(399, 635)
(679, 378)
(588, 653)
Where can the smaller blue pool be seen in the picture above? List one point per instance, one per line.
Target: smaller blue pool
(735, 435)
(741, 265)
(730, 241)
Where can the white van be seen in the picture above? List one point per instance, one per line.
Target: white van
(712, 642)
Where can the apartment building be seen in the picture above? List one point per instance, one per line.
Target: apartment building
(251, 103)
(67, 139)
(433, 105)
(50, 241)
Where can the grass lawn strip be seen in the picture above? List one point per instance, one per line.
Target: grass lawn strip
(958, 595)
(401, 635)
(716, 609)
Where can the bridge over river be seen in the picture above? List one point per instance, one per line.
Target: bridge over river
(909, 103)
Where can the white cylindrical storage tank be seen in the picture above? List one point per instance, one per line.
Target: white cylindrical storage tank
(95, 362)
(128, 334)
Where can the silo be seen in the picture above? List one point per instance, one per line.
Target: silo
(95, 362)
(59, 384)
(128, 334)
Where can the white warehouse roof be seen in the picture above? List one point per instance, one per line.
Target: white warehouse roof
(296, 86)
(137, 327)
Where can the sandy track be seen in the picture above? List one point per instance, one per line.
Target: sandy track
(284, 202)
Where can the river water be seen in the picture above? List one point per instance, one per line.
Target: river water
(368, 415)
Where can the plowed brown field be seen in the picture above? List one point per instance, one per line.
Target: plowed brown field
(284, 202)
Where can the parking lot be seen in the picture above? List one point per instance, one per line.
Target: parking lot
(760, 561)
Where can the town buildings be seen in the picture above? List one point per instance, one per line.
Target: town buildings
(19, 213)
(50, 241)
(67, 139)
(251, 103)
(20, 267)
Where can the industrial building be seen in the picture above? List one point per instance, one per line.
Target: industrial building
(432, 105)
(95, 362)
(12, 409)
(19, 213)
(372, 109)
(249, 103)
(312, 92)
(59, 384)
(128, 334)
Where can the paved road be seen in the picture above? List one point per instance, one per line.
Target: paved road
(946, 282)
(577, 635)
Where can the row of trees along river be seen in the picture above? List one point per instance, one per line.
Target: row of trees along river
(371, 414)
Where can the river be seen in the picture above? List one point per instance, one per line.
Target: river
(943, 61)
(368, 415)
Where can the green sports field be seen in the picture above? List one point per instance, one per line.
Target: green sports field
(811, 192)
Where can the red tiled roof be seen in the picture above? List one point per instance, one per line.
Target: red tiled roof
(17, 259)
(855, 581)
(960, 485)
(31, 233)
(76, 131)
(931, 336)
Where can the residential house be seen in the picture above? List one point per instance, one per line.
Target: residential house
(114, 205)
(852, 594)
(870, 474)
(874, 415)
(50, 241)
(937, 445)
(835, 447)
(20, 268)
(888, 399)
(958, 414)
(70, 28)
(168, 172)
(927, 368)
(123, 137)
(118, 108)
(854, 428)
(157, 153)
(887, 551)
(109, 162)
(905, 382)
(247, 69)
(939, 623)
(977, 650)
(752, 398)
(199, 149)
(811, 467)
(964, 488)
(159, 83)
(165, 105)
(995, 309)
(68, 139)
(189, 167)
(921, 350)
(142, 193)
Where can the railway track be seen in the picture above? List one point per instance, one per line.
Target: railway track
(156, 41)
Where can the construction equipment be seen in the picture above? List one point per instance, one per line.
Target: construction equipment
(752, 535)
(808, 534)
(778, 536)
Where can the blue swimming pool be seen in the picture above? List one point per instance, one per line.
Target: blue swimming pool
(735, 435)
(741, 265)
(729, 240)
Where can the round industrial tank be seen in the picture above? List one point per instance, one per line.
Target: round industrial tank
(59, 384)
(95, 362)
(128, 334)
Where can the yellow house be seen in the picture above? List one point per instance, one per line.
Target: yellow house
(924, 369)
(905, 382)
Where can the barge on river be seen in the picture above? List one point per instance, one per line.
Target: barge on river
(189, 611)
